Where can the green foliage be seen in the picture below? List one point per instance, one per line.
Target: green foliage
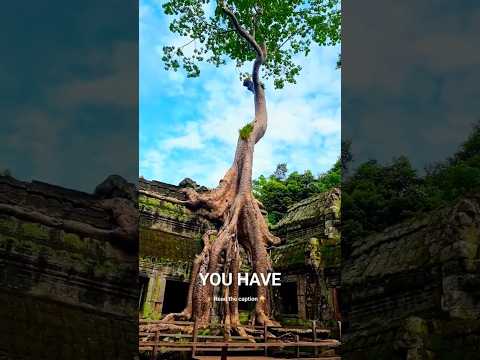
(286, 27)
(295, 321)
(377, 196)
(246, 131)
(205, 332)
(243, 316)
(281, 171)
(278, 193)
(460, 174)
(149, 314)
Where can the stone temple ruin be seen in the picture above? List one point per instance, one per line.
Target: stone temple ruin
(309, 257)
(67, 273)
(70, 286)
(413, 291)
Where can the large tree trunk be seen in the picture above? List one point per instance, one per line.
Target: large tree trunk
(233, 205)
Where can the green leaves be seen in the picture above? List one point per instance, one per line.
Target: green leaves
(377, 196)
(279, 191)
(286, 27)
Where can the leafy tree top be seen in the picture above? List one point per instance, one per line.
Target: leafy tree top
(376, 196)
(279, 191)
(283, 28)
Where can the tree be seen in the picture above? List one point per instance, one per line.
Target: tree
(268, 33)
(376, 196)
(459, 174)
(281, 171)
(278, 194)
(346, 156)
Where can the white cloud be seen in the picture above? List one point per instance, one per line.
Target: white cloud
(191, 140)
(303, 129)
(327, 126)
(152, 163)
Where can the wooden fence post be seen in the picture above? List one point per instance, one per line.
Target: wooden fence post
(194, 337)
(314, 335)
(265, 338)
(297, 339)
(226, 336)
(154, 351)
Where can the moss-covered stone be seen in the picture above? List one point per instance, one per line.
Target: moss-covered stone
(331, 255)
(312, 252)
(147, 310)
(42, 329)
(290, 256)
(165, 208)
(35, 230)
(471, 244)
(419, 280)
(8, 225)
(320, 207)
(168, 247)
(74, 241)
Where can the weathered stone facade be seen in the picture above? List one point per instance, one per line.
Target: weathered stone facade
(309, 259)
(414, 290)
(170, 237)
(69, 284)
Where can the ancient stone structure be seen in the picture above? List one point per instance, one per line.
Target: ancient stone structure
(68, 275)
(414, 290)
(170, 237)
(309, 260)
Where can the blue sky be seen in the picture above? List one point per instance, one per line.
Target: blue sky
(189, 127)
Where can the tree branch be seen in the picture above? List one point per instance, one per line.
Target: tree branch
(243, 33)
(222, 32)
(287, 40)
(186, 44)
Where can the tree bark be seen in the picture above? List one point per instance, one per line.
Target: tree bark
(234, 206)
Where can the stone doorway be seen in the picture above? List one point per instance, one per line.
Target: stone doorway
(175, 298)
(143, 291)
(246, 291)
(289, 301)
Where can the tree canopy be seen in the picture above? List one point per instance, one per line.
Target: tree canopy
(279, 191)
(283, 27)
(376, 196)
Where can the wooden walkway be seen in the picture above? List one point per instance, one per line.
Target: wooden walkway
(157, 341)
(261, 358)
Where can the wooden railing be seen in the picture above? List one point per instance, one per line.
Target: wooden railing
(213, 343)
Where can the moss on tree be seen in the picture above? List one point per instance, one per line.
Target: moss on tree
(245, 131)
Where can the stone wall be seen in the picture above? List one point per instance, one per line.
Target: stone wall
(68, 274)
(414, 290)
(170, 237)
(310, 257)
